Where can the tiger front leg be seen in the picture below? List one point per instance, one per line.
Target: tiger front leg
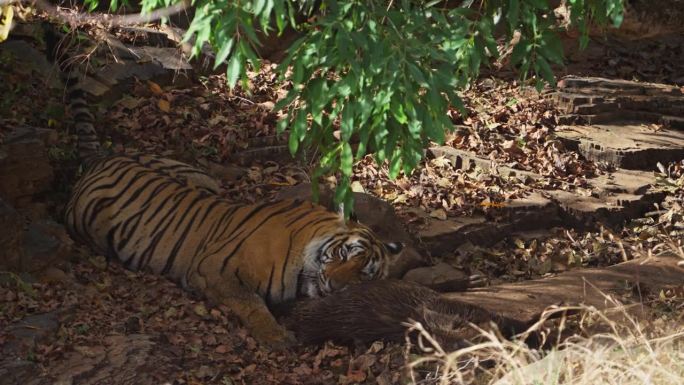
(261, 323)
(252, 311)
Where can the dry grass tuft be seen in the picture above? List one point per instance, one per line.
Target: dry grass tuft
(626, 352)
(623, 345)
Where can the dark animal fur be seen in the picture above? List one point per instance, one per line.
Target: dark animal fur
(375, 310)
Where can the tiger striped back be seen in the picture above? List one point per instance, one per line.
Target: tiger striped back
(245, 256)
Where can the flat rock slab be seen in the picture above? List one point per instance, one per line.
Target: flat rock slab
(110, 82)
(624, 181)
(465, 160)
(611, 87)
(525, 300)
(614, 198)
(608, 121)
(442, 237)
(28, 59)
(440, 277)
(628, 146)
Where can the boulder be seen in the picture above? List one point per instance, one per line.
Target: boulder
(25, 168)
(45, 244)
(440, 277)
(11, 236)
(30, 247)
(25, 334)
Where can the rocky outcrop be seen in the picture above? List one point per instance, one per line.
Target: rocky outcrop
(626, 124)
(25, 169)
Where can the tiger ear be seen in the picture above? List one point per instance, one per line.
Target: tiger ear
(394, 247)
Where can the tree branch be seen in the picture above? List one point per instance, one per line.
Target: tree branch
(104, 18)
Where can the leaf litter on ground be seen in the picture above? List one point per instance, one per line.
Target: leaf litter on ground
(506, 123)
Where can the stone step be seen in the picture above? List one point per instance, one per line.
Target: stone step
(464, 160)
(623, 116)
(596, 85)
(649, 110)
(609, 200)
(629, 146)
(615, 198)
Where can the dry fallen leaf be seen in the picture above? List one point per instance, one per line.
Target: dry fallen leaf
(200, 310)
(164, 105)
(155, 88)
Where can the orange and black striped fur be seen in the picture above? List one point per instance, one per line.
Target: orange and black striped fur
(245, 256)
(162, 215)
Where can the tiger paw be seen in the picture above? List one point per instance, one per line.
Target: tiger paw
(277, 338)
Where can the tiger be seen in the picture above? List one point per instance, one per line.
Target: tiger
(161, 215)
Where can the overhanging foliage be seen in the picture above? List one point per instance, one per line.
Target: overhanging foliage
(382, 72)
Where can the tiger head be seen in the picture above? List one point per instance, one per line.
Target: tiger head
(352, 255)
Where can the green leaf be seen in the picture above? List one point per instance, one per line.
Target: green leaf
(247, 51)
(223, 52)
(395, 164)
(234, 69)
(347, 122)
(546, 72)
(363, 142)
(317, 95)
(520, 52)
(282, 125)
(298, 72)
(280, 18)
(552, 47)
(289, 98)
(258, 6)
(417, 74)
(293, 144)
(344, 195)
(397, 109)
(299, 126)
(346, 159)
(513, 14)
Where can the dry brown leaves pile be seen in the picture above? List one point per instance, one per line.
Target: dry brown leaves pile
(194, 344)
(438, 187)
(23, 87)
(521, 258)
(205, 118)
(263, 181)
(514, 126)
